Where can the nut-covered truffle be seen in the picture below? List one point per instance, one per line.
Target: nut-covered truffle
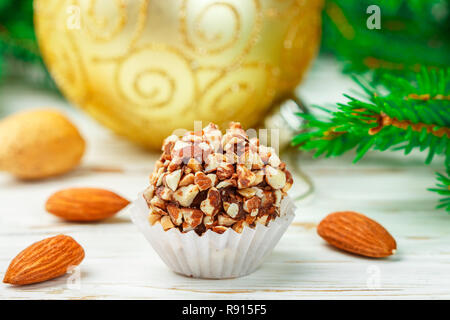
(208, 181)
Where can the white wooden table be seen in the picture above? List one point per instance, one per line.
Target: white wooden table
(120, 264)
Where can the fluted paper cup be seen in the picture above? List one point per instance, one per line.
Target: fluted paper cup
(213, 255)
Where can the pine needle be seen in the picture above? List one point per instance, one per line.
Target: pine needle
(407, 117)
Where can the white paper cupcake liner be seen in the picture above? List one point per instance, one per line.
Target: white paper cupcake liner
(213, 255)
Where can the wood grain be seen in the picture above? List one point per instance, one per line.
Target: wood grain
(120, 264)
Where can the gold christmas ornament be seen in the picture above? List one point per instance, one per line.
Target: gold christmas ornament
(147, 67)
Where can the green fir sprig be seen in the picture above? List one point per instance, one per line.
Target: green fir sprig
(397, 114)
(443, 188)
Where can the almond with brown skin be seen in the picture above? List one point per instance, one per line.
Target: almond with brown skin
(44, 260)
(356, 233)
(85, 204)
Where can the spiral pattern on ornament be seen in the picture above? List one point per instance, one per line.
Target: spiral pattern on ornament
(102, 28)
(155, 85)
(196, 36)
(234, 100)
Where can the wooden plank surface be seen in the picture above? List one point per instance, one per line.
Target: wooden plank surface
(120, 264)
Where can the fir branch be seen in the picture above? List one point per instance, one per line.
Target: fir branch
(411, 115)
(443, 189)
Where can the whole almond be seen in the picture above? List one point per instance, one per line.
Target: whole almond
(85, 204)
(40, 143)
(356, 233)
(44, 260)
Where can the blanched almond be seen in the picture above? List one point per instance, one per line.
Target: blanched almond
(211, 205)
(225, 171)
(159, 211)
(278, 196)
(213, 136)
(149, 193)
(202, 181)
(166, 223)
(175, 214)
(265, 153)
(275, 177)
(187, 180)
(247, 192)
(193, 217)
(192, 136)
(208, 221)
(213, 161)
(274, 160)
(195, 165)
(252, 205)
(172, 179)
(153, 218)
(172, 138)
(155, 176)
(219, 229)
(289, 182)
(168, 145)
(164, 193)
(263, 219)
(175, 164)
(259, 177)
(232, 209)
(267, 199)
(226, 184)
(246, 177)
(250, 219)
(185, 195)
(225, 220)
(213, 178)
(157, 202)
(160, 177)
(239, 226)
